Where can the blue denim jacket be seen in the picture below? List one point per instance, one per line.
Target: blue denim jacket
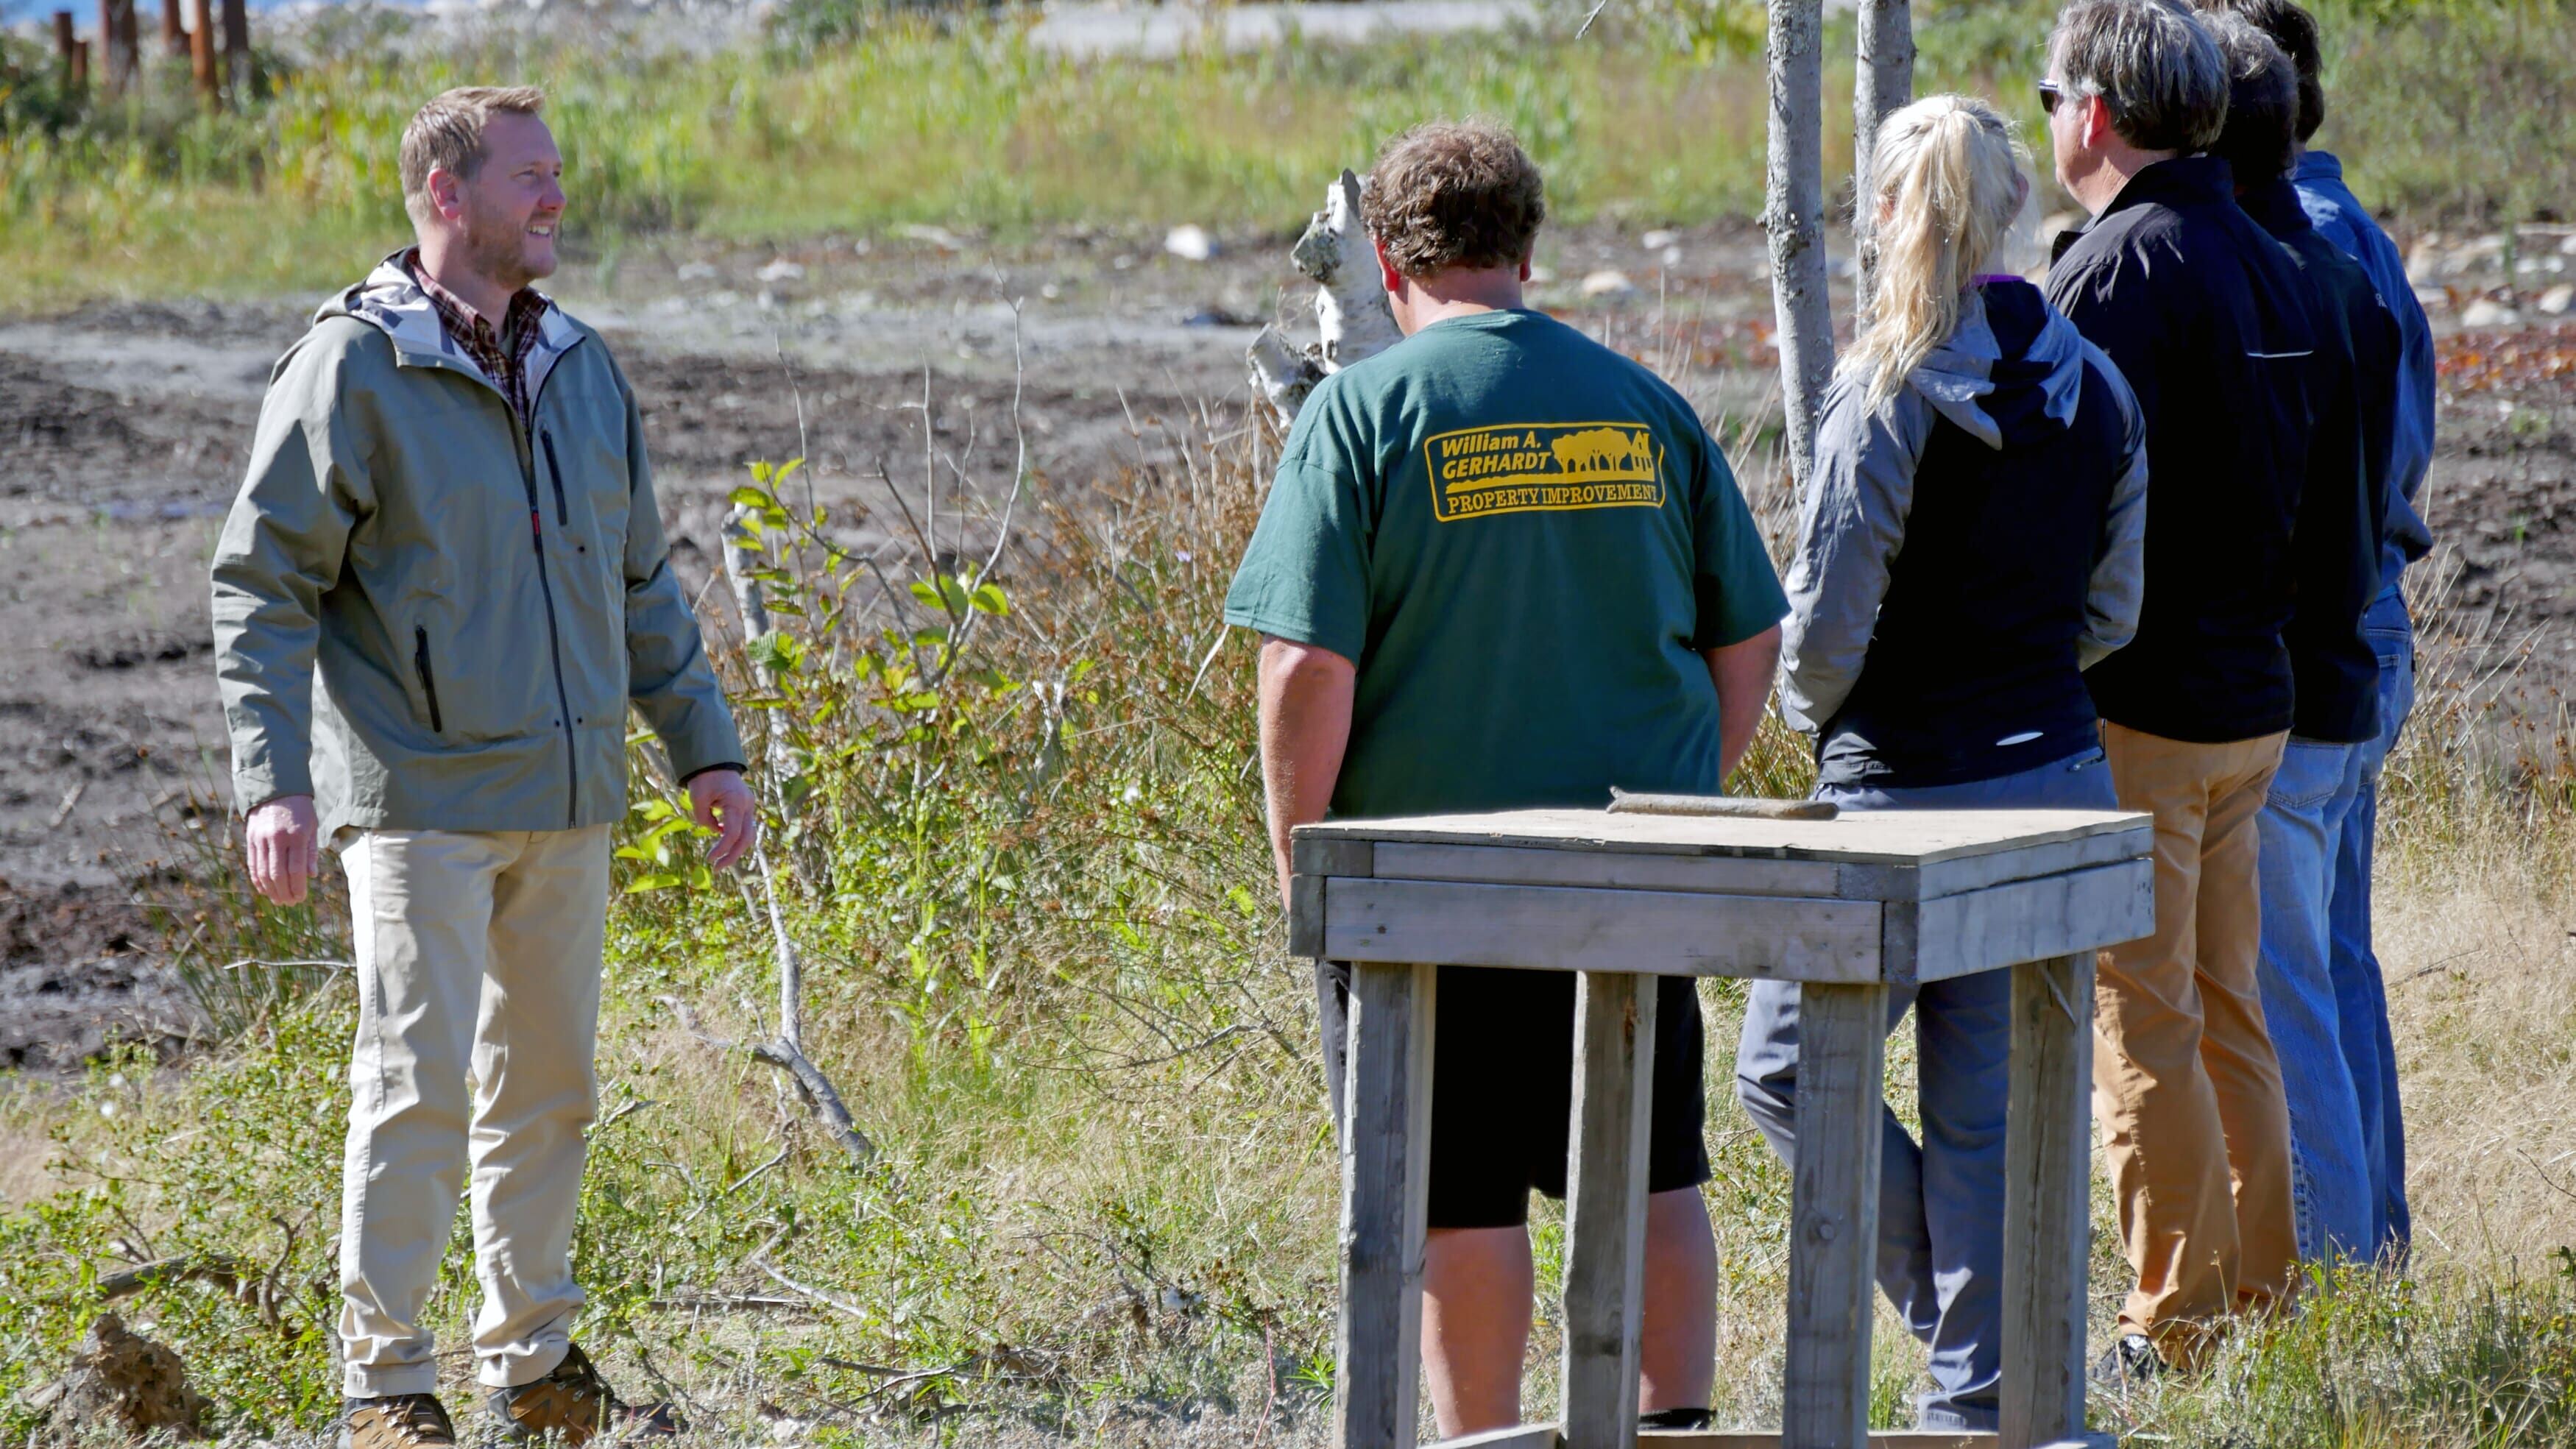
(2340, 217)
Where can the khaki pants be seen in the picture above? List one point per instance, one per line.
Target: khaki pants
(2185, 1083)
(478, 960)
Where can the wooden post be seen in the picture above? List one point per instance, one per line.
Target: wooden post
(237, 51)
(1833, 1227)
(80, 66)
(2047, 1219)
(1386, 1160)
(201, 55)
(1793, 207)
(64, 44)
(1605, 1206)
(1883, 84)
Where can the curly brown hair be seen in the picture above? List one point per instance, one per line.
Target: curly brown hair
(1454, 194)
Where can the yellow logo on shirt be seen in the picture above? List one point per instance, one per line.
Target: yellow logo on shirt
(1543, 468)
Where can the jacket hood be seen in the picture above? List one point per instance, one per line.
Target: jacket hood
(392, 300)
(2012, 365)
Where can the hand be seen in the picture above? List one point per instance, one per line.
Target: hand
(720, 801)
(284, 853)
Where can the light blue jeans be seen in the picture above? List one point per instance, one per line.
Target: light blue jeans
(2301, 825)
(1940, 1203)
(2361, 995)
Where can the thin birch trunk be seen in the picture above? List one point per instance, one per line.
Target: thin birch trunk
(787, 1052)
(1351, 313)
(1793, 213)
(1882, 85)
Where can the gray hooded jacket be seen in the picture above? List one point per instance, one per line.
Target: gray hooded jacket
(478, 601)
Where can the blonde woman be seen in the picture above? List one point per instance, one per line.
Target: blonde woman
(1971, 540)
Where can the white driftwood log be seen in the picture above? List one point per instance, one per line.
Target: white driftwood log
(1351, 314)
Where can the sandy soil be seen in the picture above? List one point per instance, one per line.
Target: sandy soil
(124, 429)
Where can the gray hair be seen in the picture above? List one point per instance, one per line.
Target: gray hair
(2261, 133)
(2152, 62)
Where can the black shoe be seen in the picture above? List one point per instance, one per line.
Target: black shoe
(1685, 1419)
(2131, 1360)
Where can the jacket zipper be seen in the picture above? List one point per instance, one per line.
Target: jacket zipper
(428, 684)
(520, 437)
(545, 586)
(554, 470)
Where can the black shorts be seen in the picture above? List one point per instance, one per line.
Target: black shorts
(1502, 1084)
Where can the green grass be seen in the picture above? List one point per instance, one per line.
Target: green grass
(2456, 109)
(1027, 874)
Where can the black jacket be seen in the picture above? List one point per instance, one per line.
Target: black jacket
(2341, 511)
(2208, 320)
(1965, 551)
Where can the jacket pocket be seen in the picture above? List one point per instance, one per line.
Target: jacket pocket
(428, 680)
(554, 470)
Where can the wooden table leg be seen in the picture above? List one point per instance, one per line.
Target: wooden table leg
(1386, 1157)
(1605, 1206)
(2047, 1201)
(1833, 1230)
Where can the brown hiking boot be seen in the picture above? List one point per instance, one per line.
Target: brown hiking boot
(576, 1405)
(396, 1421)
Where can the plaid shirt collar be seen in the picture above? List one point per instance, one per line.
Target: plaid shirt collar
(503, 356)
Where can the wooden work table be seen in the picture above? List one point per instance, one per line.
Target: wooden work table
(1846, 907)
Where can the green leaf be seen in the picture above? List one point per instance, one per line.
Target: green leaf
(657, 881)
(990, 599)
(750, 497)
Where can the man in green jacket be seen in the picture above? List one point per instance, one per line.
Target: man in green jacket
(449, 519)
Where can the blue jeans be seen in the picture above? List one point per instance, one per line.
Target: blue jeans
(2301, 827)
(1940, 1204)
(2361, 996)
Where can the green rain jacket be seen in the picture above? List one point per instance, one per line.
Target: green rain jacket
(481, 600)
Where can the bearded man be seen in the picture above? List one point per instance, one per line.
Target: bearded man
(449, 520)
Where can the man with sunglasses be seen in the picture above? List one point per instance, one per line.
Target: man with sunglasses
(2207, 318)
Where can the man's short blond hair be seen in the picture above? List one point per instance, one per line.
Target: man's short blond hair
(1454, 194)
(447, 135)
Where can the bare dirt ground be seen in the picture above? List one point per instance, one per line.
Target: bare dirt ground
(124, 429)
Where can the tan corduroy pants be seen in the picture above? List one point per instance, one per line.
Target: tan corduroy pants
(478, 960)
(2185, 1082)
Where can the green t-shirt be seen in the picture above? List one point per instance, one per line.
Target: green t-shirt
(1524, 541)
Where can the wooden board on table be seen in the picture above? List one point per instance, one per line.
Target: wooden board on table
(1878, 1439)
(1544, 928)
(1544, 1436)
(1908, 854)
(2034, 920)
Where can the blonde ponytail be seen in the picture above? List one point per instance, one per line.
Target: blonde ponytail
(1946, 179)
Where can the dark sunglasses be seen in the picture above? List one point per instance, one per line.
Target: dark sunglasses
(2049, 95)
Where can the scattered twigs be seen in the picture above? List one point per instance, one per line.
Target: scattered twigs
(262, 1289)
(2554, 1185)
(221, 1270)
(729, 1303)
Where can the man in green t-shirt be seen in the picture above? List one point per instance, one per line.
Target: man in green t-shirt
(1503, 566)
